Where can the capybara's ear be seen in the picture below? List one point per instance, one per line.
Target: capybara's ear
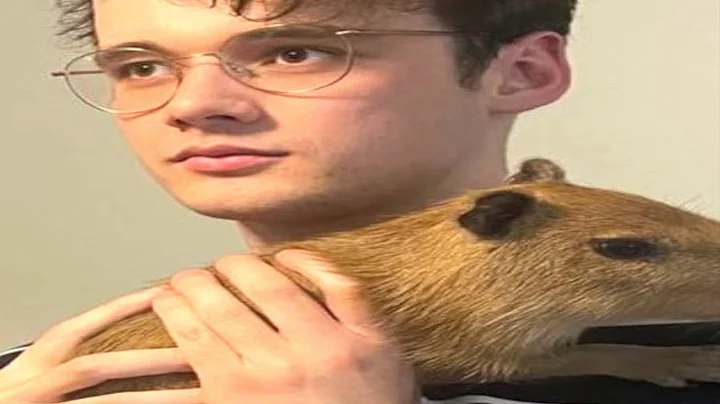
(494, 214)
(537, 170)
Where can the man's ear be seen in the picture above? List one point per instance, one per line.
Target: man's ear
(495, 214)
(532, 71)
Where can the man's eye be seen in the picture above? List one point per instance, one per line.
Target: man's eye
(140, 70)
(300, 55)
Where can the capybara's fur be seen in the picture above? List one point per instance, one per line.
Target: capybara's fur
(498, 284)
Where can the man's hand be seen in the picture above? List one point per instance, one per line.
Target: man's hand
(313, 357)
(44, 373)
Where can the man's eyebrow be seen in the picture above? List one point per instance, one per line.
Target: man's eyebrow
(280, 29)
(147, 45)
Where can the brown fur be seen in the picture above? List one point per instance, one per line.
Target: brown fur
(511, 305)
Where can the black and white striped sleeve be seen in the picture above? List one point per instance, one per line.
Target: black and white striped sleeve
(478, 399)
(9, 355)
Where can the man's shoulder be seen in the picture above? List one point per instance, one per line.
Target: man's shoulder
(574, 390)
(9, 355)
(577, 390)
(599, 389)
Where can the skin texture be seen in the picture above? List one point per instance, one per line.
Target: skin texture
(378, 121)
(355, 153)
(528, 282)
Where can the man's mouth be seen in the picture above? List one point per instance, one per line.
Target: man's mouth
(225, 158)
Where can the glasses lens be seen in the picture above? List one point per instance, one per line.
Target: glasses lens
(123, 80)
(288, 59)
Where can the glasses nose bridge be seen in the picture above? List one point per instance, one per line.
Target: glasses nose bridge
(195, 56)
(229, 66)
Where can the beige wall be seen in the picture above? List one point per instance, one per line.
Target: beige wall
(80, 222)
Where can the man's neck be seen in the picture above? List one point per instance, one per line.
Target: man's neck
(257, 235)
(260, 234)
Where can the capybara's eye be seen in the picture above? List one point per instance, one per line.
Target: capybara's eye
(625, 248)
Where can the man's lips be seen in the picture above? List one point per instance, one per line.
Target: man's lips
(221, 151)
(225, 159)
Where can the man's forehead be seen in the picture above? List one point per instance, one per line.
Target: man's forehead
(129, 21)
(340, 12)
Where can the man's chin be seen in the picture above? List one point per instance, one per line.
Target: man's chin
(260, 211)
(281, 214)
(234, 213)
(228, 204)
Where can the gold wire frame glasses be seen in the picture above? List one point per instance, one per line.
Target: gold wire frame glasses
(286, 59)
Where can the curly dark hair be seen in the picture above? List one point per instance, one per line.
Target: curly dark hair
(505, 20)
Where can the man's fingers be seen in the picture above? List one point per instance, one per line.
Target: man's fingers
(229, 318)
(298, 317)
(208, 354)
(342, 295)
(57, 343)
(185, 396)
(90, 370)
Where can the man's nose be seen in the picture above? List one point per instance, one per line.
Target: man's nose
(210, 99)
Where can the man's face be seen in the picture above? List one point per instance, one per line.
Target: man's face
(397, 132)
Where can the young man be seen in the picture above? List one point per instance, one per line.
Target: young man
(294, 119)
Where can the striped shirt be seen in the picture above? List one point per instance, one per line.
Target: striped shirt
(579, 390)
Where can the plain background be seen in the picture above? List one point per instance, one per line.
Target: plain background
(80, 222)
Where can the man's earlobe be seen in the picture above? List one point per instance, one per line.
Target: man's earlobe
(534, 72)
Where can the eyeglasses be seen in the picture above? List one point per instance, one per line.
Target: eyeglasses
(288, 59)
